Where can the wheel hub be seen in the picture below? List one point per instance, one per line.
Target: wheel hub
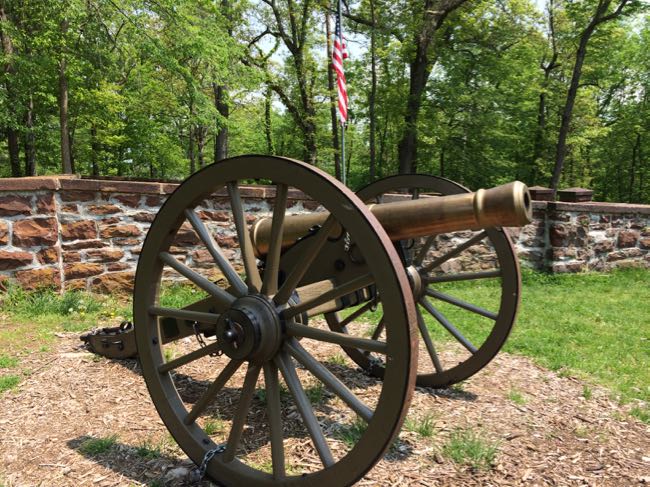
(250, 330)
(415, 280)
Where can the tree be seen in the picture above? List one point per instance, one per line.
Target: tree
(428, 20)
(601, 12)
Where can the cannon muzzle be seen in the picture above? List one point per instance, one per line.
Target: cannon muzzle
(508, 205)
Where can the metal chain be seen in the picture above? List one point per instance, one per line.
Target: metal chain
(201, 340)
(209, 455)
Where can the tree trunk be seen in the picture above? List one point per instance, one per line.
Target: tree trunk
(12, 134)
(567, 113)
(30, 143)
(434, 14)
(333, 100)
(221, 140)
(94, 150)
(419, 74)
(200, 144)
(373, 94)
(268, 129)
(190, 149)
(66, 157)
(633, 165)
(600, 16)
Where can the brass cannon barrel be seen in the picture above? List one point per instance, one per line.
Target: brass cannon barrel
(508, 205)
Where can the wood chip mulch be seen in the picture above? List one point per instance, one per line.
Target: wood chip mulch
(550, 435)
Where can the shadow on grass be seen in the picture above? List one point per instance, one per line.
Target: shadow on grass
(145, 464)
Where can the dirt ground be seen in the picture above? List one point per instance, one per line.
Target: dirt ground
(546, 431)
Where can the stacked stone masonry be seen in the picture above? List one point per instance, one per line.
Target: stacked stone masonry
(74, 233)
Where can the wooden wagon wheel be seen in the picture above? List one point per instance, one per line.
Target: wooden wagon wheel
(262, 328)
(433, 288)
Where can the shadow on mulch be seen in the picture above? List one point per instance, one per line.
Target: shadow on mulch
(454, 392)
(139, 465)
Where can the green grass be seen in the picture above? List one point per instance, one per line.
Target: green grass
(593, 325)
(149, 450)
(424, 426)
(517, 397)
(351, 433)
(8, 382)
(468, 447)
(213, 426)
(96, 446)
(7, 362)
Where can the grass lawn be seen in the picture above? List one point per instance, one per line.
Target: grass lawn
(596, 326)
(593, 325)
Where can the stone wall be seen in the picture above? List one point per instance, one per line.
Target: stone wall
(78, 233)
(593, 236)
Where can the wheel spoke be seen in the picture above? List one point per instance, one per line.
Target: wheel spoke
(329, 379)
(239, 421)
(422, 253)
(309, 254)
(381, 326)
(466, 276)
(245, 244)
(190, 357)
(343, 339)
(270, 284)
(453, 253)
(331, 295)
(461, 304)
(447, 325)
(223, 299)
(343, 324)
(215, 251)
(275, 419)
(428, 342)
(184, 314)
(213, 390)
(285, 364)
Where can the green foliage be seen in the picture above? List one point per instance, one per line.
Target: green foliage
(468, 447)
(7, 362)
(49, 302)
(213, 426)
(517, 397)
(642, 413)
(603, 337)
(150, 89)
(351, 433)
(8, 382)
(423, 426)
(148, 450)
(96, 446)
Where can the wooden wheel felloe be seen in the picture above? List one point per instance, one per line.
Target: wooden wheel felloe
(267, 331)
(455, 348)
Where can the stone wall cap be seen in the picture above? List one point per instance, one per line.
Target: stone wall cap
(33, 183)
(541, 193)
(575, 194)
(600, 207)
(111, 186)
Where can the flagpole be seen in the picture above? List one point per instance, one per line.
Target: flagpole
(343, 172)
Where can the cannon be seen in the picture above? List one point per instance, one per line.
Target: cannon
(369, 273)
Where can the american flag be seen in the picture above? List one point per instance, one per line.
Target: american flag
(339, 53)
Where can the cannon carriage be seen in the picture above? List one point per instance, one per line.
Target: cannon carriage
(365, 272)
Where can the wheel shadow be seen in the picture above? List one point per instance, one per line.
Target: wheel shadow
(144, 464)
(224, 406)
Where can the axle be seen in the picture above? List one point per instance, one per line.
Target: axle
(508, 205)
